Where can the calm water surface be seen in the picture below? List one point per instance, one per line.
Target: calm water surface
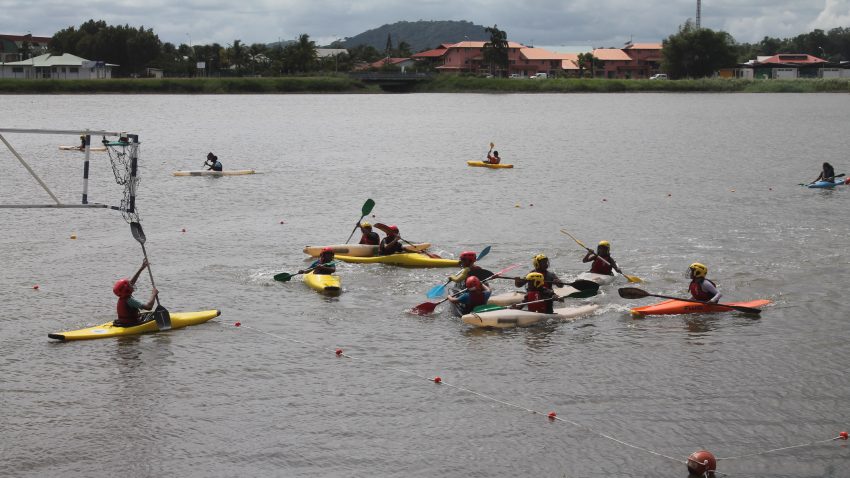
(668, 179)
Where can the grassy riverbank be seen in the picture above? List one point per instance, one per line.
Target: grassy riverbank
(439, 84)
(289, 84)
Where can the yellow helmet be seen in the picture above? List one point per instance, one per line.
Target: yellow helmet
(698, 270)
(605, 244)
(538, 258)
(365, 224)
(536, 279)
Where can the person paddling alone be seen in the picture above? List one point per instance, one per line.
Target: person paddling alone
(494, 158)
(827, 174)
(368, 236)
(391, 243)
(129, 308)
(701, 288)
(477, 293)
(213, 162)
(603, 263)
(324, 264)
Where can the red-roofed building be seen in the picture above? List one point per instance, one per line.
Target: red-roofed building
(468, 57)
(791, 66)
(636, 60)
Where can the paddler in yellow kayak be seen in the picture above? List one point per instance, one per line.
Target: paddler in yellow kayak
(391, 243)
(701, 288)
(129, 308)
(324, 264)
(603, 263)
(493, 158)
(368, 236)
(541, 265)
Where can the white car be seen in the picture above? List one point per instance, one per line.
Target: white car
(539, 76)
(659, 76)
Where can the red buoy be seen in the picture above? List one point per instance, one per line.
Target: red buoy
(237, 324)
(338, 352)
(35, 287)
(842, 435)
(552, 415)
(701, 462)
(183, 230)
(437, 379)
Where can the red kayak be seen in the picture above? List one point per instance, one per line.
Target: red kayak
(682, 307)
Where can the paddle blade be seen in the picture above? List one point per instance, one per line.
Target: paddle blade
(633, 279)
(487, 308)
(424, 308)
(367, 207)
(483, 253)
(137, 231)
(162, 317)
(632, 293)
(283, 277)
(436, 291)
(745, 310)
(585, 285)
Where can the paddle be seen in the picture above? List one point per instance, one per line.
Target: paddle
(426, 308)
(386, 229)
(365, 210)
(160, 314)
(630, 278)
(584, 289)
(836, 176)
(286, 276)
(438, 290)
(635, 293)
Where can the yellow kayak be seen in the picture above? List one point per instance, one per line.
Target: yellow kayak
(229, 172)
(178, 320)
(327, 284)
(482, 164)
(359, 250)
(408, 259)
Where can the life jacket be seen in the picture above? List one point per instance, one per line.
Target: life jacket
(696, 290)
(599, 266)
(126, 314)
(370, 238)
(383, 249)
(541, 307)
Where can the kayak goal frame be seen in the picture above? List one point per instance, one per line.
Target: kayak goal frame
(87, 134)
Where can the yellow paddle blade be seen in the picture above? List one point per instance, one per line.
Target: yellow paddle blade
(492, 145)
(633, 278)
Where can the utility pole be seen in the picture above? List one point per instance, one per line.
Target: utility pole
(699, 12)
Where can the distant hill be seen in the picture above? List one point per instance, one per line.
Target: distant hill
(420, 35)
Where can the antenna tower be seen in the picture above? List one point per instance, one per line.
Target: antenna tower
(699, 12)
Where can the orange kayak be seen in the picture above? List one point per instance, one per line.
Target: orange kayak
(682, 307)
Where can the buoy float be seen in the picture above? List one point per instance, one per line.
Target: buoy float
(732, 190)
(73, 236)
(701, 462)
(282, 222)
(669, 195)
(843, 435)
(552, 415)
(35, 287)
(516, 205)
(338, 352)
(437, 379)
(183, 230)
(604, 200)
(531, 205)
(237, 324)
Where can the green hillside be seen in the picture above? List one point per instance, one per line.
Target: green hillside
(420, 35)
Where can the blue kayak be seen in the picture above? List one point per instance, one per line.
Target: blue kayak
(827, 184)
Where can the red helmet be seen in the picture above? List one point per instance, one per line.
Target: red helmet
(122, 288)
(701, 462)
(473, 282)
(393, 228)
(327, 249)
(470, 255)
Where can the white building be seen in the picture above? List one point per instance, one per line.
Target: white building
(60, 67)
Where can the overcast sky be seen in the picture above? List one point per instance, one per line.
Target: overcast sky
(597, 23)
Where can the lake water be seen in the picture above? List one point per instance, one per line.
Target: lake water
(669, 179)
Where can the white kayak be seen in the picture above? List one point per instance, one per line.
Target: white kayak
(601, 279)
(77, 148)
(508, 318)
(359, 250)
(515, 297)
(229, 172)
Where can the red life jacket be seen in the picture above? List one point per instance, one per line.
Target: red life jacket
(476, 298)
(601, 267)
(540, 307)
(371, 239)
(126, 313)
(696, 290)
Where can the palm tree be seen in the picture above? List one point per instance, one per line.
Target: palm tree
(496, 50)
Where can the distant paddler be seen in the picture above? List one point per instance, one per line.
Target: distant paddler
(129, 308)
(212, 162)
(324, 264)
(700, 287)
(493, 156)
(603, 263)
(368, 236)
(391, 243)
(827, 174)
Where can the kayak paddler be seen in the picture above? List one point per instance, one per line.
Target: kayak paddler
(477, 293)
(494, 158)
(368, 236)
(827, 174)
(129, 308)
(603, 263)
(391, 243)
(470, 269)
(701, 288)
(82, 142)
(213, 162)
(541, 265)
(537, 290)
(324, 264)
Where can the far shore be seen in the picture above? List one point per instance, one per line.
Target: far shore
(439, 84)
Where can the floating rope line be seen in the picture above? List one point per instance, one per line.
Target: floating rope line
(551, 415)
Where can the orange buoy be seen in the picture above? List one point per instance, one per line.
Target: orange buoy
(843, 435)
(552, 415)
(701, 462)
(338, 352)
(35, 287)
(437, 380)
(237, 324)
